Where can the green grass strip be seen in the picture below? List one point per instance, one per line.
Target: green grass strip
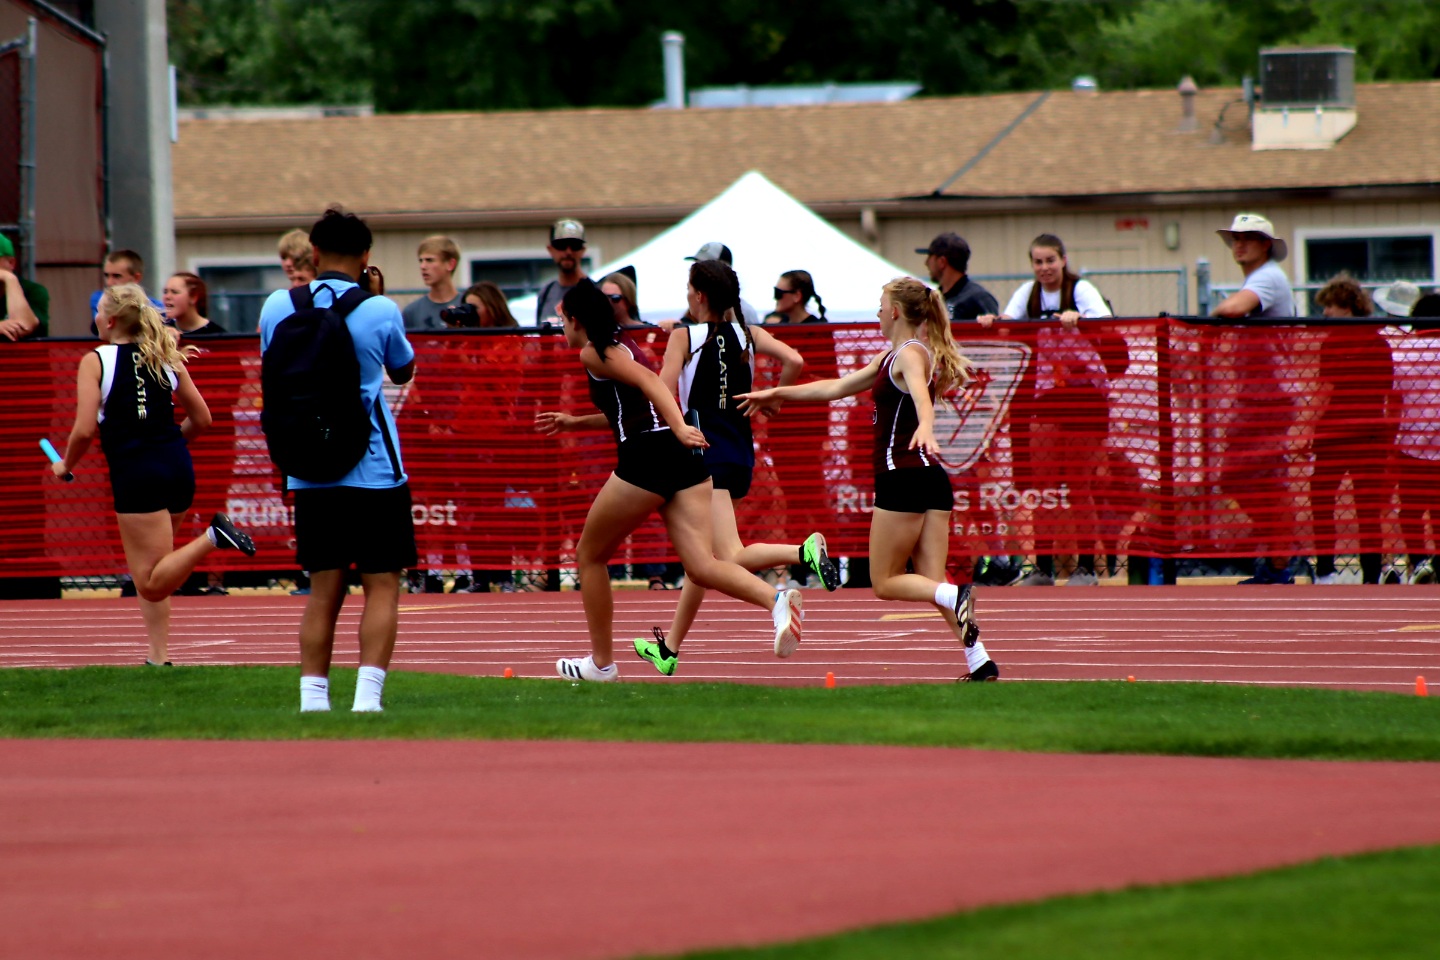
(1363, 907)
(262, 703)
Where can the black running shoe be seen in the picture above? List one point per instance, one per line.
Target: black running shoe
(972, 633)
(986, 672)
(226, 535)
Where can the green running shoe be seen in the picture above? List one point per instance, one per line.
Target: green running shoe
(657, 653)
(813, 555)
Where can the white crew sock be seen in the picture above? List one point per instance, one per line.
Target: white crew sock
(314, 694)
(976, 656)
(210, 535)
(946, 595)
(369, 684)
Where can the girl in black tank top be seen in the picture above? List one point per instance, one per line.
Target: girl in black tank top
(910, 524)
(711, 363)
(664, 475)
(126, 394)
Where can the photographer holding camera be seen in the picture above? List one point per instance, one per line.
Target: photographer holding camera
(1069, 408)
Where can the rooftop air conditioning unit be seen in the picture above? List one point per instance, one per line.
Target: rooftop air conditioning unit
(1307, 98)
(1307, 77)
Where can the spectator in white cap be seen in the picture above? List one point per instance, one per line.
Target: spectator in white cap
(1398, 299)
(1266, 292)
(567, 249)
(715, 250)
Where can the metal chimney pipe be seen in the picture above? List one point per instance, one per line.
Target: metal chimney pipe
(672, 45)
(1187, 89)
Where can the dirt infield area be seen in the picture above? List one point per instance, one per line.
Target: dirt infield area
(161, 850)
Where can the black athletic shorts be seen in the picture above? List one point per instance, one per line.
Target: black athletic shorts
(340, 527)
(658, 462)
(914, 490)
(730, 458)
(152, 478)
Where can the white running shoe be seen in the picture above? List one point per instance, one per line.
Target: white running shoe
(1082, 578)
(789, 614)
(583, 668)
(1036, 579)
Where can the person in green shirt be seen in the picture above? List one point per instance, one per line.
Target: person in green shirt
(24, 306)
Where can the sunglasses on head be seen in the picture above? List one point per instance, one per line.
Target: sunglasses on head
(781, 293)
(571, 245)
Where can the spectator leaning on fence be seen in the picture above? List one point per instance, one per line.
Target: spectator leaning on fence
(1258, 435)
(24, 306)
(947, 258)
(1353, 433)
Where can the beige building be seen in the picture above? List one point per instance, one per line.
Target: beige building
(1131, 180)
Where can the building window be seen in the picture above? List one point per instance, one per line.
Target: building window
(518, 276)
(1371, 258)
(238, 290)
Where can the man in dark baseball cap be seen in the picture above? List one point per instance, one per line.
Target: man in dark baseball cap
(947, 259)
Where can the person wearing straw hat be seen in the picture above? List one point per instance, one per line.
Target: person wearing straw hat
(1266, 291)
(1257, 436)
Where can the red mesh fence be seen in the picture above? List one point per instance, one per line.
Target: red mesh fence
(1144, 437)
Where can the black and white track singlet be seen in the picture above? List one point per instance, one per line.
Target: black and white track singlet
(137, 410)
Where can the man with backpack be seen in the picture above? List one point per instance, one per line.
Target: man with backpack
(325, 350)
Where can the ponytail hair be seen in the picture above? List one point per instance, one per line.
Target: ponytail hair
(925, 308)
(587, 306)
(717, 281)
(805, 286)
(138, 319)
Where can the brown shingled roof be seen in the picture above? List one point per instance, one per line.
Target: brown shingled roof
(590, 160)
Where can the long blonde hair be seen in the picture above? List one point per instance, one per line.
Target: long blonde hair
(924, 307)
(137, 318)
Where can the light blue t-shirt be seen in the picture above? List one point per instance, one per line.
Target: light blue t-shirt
(379, 334)
(1270, 284)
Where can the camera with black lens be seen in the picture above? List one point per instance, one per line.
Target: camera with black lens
(461, 315)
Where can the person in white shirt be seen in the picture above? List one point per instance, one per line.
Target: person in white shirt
(1067, 431)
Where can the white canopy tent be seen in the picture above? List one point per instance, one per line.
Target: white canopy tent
(768, 232)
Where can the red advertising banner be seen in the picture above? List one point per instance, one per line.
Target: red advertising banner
(1155, 437)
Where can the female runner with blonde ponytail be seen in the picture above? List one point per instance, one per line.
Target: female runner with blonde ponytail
(126, 393)
(913, 499)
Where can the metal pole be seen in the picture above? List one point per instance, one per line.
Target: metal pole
(1182, 291)
(1202, 286)
(27, 150)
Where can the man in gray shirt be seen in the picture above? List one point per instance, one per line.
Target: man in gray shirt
(438, 257)
(567, 249)
(1266, 293)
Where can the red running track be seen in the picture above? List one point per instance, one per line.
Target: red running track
(1350, 637)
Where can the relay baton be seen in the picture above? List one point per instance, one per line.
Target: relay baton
(54, 456)
(692, 417)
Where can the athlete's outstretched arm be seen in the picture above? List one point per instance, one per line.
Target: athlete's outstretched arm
(826, 390)
(551, 422)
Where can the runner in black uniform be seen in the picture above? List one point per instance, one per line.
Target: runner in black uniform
(913, 499)
(711, 363)
(657, 470)
(126, 393)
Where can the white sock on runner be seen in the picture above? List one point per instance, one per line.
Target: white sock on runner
(314, 694)
(946, 594)
(369, 684)
(976, 656)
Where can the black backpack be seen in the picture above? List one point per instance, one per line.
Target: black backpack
(315, 420)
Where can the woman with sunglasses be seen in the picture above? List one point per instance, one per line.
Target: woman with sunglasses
(658, 468)
(802, 478)
(710, 363)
